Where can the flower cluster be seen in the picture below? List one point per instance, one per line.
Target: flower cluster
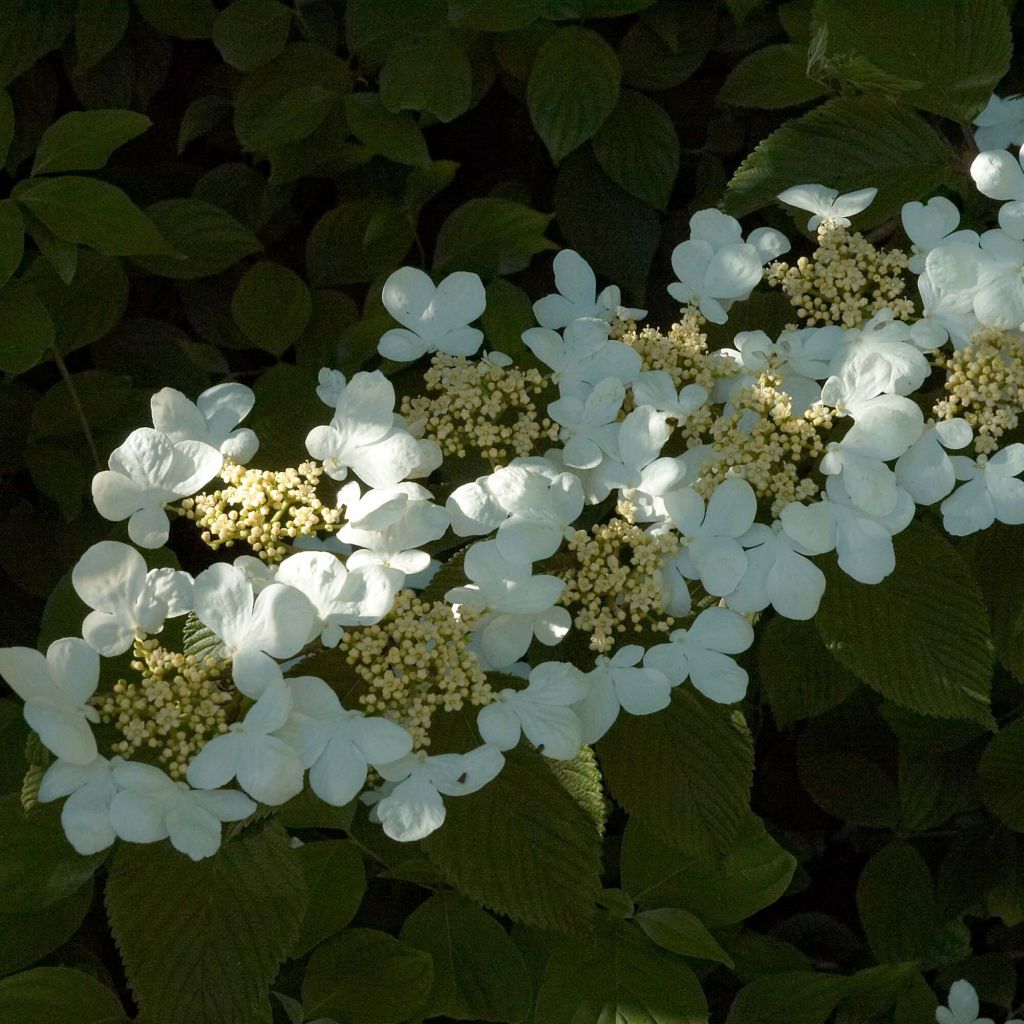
(643, 500)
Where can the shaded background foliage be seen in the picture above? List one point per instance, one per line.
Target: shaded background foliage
(243, 178)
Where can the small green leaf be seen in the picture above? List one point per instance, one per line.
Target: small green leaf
(479, 974)
(426, 182)
(27, 325)
(272, 306)
(32, 934)
(210, 239)
(250, 33)
(429, 73)
(84, 139)
(491, 236)
(680, 932)
(771, 78)
(96, 214)
(99, 26)
(200, 118)
(1001, 775)
(182, 19)
(582, 779)
(288, 119)
(6, 124)
(396, 136)
(50, 994)
(61, 255)
(372, 29)
(367, 977)
(796, 997)
(12, 239)
(667, 44)
(29, 30)
(572, 89)
(336, 881)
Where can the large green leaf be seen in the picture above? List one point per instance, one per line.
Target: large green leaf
(356, 241)
(99, 26)
(1001, 776)
(28, 329)
(667, 44)
(429, 73)
(30, 935)
(336, 881)
(796, 997)
(479, 974)
(251, 32)
(47, 995)
(522, 847)
(921, 636)
(771, 78)
(847, 143)
(183, 19)
(271, 306)
(998, 566)
(573, 87)
(394, 135)
(958, 58)
(83, 140)
(12, 239)
(685, 773)
(201, 942)
(28, 30)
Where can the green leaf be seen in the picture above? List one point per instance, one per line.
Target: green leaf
(495, 15)
(396, 136)
(429, 73)
(479, 974)
(958, 58)
(921, 636)
(30, 935)
(12, 239)
(491, 236)
(27, 325)
(62, 256)
(210, 239)
(685, 773)
(200, 118)
(667, 44)
(282, 418)
(998, 566)
(1001, 775)
(680, 932)
(622, 977)
(38, 866)
(367, 977)
(522, 847)
(847, 143)
(372, 28)
(99, 26)
(771, 78)
(84, 139)
(50, 994)
(357, 241)
(509, 312)
(6, 124)
(796, 997)
(202, 941)
(336, 881)
(751, 876)
(96, 214)
(581, 778)
(426, 182)
(615, 232)
(250, 33)
(272, 306)
(182, 19)
(638, 148)
(30, 29)
(799, 678)
(572, 89)
(288, 119)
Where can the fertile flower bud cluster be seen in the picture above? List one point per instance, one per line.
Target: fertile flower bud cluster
(643, 501)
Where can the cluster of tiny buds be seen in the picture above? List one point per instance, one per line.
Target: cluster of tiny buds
(261, 508)
(846, 281)
(682, 353)
(482, 408)
(616, 583)
(415, 662)
(985, 382)
(170, 713)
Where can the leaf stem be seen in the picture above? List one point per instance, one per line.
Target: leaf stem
(77, 402)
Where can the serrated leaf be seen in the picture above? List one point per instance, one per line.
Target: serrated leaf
(202, 941)
(921, 636)
(271, 306)
(29, 331)
(680, 932)
(522, 847)
(99, 26)
(182, 19)
(572, 89)
(491, 236)
(49, 994)
(752, 875)
(796, 997)
(429, 73)
(356, 241)
(667, 44)
(335, 881)
(83, 140)
(638, 148)
(998, 566)
(367, 977)
(28, 30)
(1001, 776)
(581, 778)
(250, 33)
(479, 974)
(394, 135)
(847, 143)
(685, 773)
(771, 78)
(958, 58)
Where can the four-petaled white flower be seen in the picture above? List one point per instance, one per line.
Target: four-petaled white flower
(963, 1006)
(924, 470)
(991, 492)
(929, 225)
(998, 175)
(582, 356)
(90, 790)
(541, 510)
(1000, 124)
(827, 203)
(577, 296)
(213, 418)
(590, 428)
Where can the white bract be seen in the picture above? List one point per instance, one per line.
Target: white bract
(590, 428)
(90, 789)
(963, 1006)
(541, 510)
(578, 297)
(924, 470)
(998, 175)
(1000, 124)
(213, 418)
(991, 492)
(582, 356)
(827, 204)
(932, 224)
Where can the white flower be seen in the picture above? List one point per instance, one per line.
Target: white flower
(90, 789)
(56, 690)
(1000, 124)
(266, 767)
(590, 428)
(893, 341)
(992, 492)
(963, 1006)
(362, 435)
(701, 654)
(414, 808)
(582, 356)
(252, 632)
(335, 744)
(542, 711)
(932, 224)
(999, 294)
(1000, 176)
(330, 385)
(128, 601)
(947, 288)
(518, 606)
(655, 388)
(827, 203)
(146, 471)
(615, 683)
(212, 418)
(924, 470)
(433, 319)
(578, 297)
(541, 509)
(151, 806)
